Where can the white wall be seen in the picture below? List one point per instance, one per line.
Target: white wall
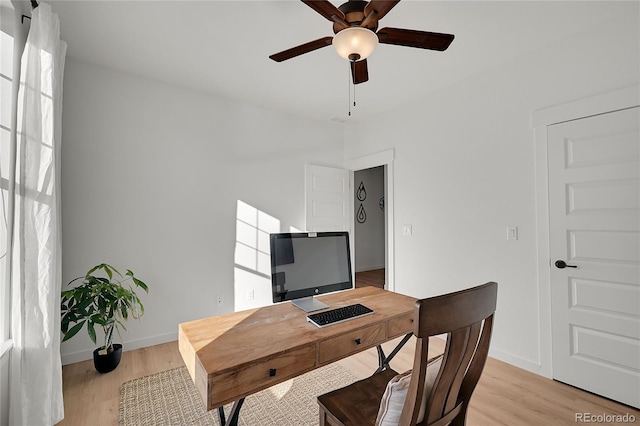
(464, 172)
(151, 178)
(370, 234)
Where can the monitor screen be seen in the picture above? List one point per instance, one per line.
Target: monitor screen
(308, 264)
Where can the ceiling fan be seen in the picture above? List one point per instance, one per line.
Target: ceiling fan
(355, 25)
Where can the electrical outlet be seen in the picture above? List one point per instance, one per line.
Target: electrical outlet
(219, 299)
(250, 294)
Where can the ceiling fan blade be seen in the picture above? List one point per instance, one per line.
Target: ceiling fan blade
(328, 10)
(381, 7)
(359, 71)
(415, 38)
(303, 48)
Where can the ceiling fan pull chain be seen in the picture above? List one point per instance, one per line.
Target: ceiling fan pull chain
(354, 95)
(349, 92)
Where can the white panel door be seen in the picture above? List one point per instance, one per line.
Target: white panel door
(594, 206)
(327, 199)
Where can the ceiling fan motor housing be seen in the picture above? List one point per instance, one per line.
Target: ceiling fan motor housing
(354, 14)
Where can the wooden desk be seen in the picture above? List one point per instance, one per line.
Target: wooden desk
(234, 355)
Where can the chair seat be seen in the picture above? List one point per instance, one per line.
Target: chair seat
(358, 403)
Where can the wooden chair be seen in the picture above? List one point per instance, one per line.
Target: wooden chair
(434, 396)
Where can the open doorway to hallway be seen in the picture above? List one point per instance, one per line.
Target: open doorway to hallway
(369, 226)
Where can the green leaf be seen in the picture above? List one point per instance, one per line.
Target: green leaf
(74, 330)
(74, 280)
(108, 271)
(115, 270)
(95, 268)
(102, 304)
(140, 284)
(83, 304)
(92, 331)
(98, 318)
(67, 319)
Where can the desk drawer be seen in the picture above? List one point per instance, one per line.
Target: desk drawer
(349, 343)
(400, 325)
(233, 385)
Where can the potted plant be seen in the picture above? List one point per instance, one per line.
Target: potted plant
(105, 300)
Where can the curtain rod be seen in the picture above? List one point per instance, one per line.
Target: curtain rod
(34, 4)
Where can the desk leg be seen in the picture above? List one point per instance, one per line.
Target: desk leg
(233, 414)
(383, 360)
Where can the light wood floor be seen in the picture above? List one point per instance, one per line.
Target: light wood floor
(505, 395)
(373, 278)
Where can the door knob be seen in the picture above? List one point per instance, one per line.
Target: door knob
(560, 264)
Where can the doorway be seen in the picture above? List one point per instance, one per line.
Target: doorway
(595, 277)
(384, 160)
(570, 293)
(329, 201)
(369, 226)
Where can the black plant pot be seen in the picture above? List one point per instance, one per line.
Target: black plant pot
(108, 362)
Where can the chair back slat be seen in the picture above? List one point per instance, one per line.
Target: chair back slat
(453, 356)
(477, 363)
(471, 343)
(415, 393)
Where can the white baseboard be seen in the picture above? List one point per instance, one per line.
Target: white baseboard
(509, 358)
(127, 346)
(516, 360)
(369, 268)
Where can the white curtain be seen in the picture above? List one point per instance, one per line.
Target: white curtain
(36, 367)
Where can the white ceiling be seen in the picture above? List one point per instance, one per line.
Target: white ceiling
(222, 47)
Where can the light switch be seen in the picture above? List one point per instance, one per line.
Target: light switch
(406, 230)
(512, 233)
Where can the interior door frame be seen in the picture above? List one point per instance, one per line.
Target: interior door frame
(628, 97)
(383, 158)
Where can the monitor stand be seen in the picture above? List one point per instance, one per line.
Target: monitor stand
(309, 304)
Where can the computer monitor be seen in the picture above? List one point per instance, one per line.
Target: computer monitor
(306, 264)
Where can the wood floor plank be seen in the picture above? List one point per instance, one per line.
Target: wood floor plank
(506, 395)
(375, 278)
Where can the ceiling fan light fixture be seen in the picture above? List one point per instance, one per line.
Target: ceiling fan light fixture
(355, 43)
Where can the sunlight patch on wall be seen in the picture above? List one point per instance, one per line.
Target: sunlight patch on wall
(252, 272)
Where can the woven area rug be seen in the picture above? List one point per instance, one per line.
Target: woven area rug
(171, 398)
